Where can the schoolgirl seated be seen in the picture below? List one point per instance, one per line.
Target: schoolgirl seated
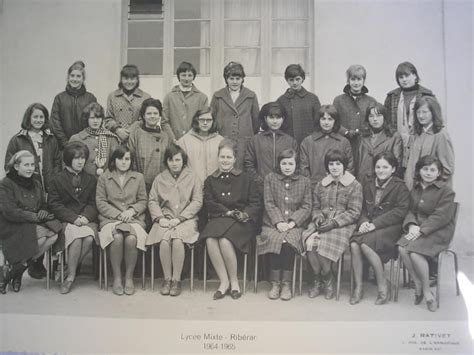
(428, 226)
(233, 203)
(27, 228)
(175, 200)
(385, 206)
(121, 201)
(72, 200)
(287, 198)
(337, 203)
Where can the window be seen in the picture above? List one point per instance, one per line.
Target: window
(264, 35)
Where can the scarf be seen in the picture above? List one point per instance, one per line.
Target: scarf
(75, 91)
(27, 183)
(157, 129)
(102, 146)
(405, 124)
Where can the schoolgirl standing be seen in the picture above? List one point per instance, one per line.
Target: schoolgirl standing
(287, 210)
(69, 104)
(235, 108)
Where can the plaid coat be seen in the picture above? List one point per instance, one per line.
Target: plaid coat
(314, 148)
(302, 110)
(342, 202)
(123, 110)
(286, 199)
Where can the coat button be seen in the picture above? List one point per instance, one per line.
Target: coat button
(358, 113)
(177, 206)
(421, 201)
(287, 185)
(286, 198)
(222, 176)
(228, 194)
(157, 149)
(223, 194)
(286, 212)
(330, 208)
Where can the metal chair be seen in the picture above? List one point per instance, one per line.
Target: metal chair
(63, 260)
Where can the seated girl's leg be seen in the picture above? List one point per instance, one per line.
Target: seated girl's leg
(287, 256)
(217, 260)
(407, 261)
(116, 257)
(44, 244)
(230, 259)
(420, 265)
(275, 263)
(86, 247)
(376, 263)
(74, 254)
(177, 258)
(328, 278)
(130, 256)
(314, 262)
(165, 258)
(357, 264)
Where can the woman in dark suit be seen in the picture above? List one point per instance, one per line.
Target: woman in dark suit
(380, 225)
(429, 225)
(72, 200)
(232, 202)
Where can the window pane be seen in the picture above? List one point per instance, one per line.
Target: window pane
(148, 61)
(289, 33)
(242, 34)
(200, 58)
(242, 8)
(145, 34)
(249, 58)
(146, 6)
(290, 9)
(281, 57)
(195, 9)
(192, 34)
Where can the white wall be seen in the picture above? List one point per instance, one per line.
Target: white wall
(42, 38)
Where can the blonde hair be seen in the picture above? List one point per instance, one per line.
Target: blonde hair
(16, 159)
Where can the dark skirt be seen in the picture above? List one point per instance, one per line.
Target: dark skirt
(382, 241)
(238, 233)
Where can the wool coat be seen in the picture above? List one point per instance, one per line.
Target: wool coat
(432, 209)
(202, 152)
(112, 198)
(66, 113)
(314, 148)
(18, 219)
(148, 149)
(262, 154)
(237, 121)
(123, 110)
(302, 109)
(179, 110)
(227, 191)
(92, 142)
(51, 159)
(286, 199)
(374, 144)
(175, 198)
(430, 143)
(340, 201)
(387, 215)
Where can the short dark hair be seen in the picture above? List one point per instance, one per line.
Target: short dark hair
(74, 150)
(434, 107)
(151, 102)
(171, 151)
(354, 69)
(425, 161)
(26, 123)
(94, 107)
(184, 67)
(380, 110)
(286, 154)
(119, 153)
(195, 120)
(331, 111)
(294, 70)
(227, 143)
(129, 71)
(335, 155)
(270, 108)
(233, 69)
(389, 157)
(406, 68)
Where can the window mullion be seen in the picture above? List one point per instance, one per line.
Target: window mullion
(168, 42)
(217, 44)
(124, 33)
(266, 49)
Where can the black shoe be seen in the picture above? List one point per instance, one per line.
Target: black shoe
(35, 270)
(219, 295)
(16, 275)
(235, 294)
(328, 285)
(3, 284)
(418, 298)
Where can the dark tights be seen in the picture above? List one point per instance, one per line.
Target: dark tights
(282, 261)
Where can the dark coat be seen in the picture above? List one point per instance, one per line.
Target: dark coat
(387, 216)
(433, 210)
(302, 110)
(262, 154)
(224, 192)
(237, 121)
(66, 113)
(352, 110)
(18, 219)
(51, 154)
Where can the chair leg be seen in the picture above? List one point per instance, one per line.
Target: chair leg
(293, 279)
(106, 283)
(205, 269)
(143, 270)
(100, 268)
(191, 281)
(245, 272)
(301, 276)
(397, 278)
(352, 274)
(392, 262)
(255, 282)
(404, 270)
(62, 267)
(152, 271)
(438, 281)
(339, 272)
(456, 269)
(48, 267)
